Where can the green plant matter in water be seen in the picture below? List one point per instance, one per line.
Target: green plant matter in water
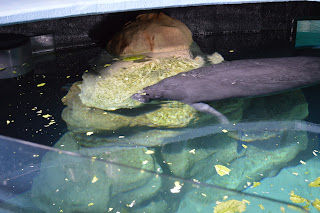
(113, 87)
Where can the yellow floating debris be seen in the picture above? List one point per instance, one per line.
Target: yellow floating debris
(261, 206)
(316, 204)
(222, 170)
(297, 199)
(302, 162)
(195, 180)
(306, 207)
(46, 116)
(176, 188)
(255, 184)
(149, 152)
(133, 58)
(41, 85)
(94, 179)
(315, 183)
(231, 206)
(89, 133)
(192, 151)
(131, 204)
(246, 201)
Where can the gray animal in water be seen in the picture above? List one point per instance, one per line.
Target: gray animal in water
(234, 79)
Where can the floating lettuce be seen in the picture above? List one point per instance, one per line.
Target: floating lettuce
(255, 184)
(296, 198)
(134, 58)
(113, 87)
(222, 170)
(315, 183)
(316, 204)
(231, 206)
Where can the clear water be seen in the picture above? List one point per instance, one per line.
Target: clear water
(271, 150)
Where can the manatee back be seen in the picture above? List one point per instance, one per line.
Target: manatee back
(238, 79)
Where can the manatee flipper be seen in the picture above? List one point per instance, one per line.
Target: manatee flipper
(202, 107)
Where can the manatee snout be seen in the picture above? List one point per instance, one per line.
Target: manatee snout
(141, 97)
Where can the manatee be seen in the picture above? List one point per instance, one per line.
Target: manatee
(234, 79)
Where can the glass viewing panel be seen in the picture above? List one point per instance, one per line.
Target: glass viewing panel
(35, 178)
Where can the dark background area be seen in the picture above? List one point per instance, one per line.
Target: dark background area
(251, 30)
(254, 28)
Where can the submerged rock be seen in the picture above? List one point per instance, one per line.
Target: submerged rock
(263, 157)
(252, 166)
(70, 183)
